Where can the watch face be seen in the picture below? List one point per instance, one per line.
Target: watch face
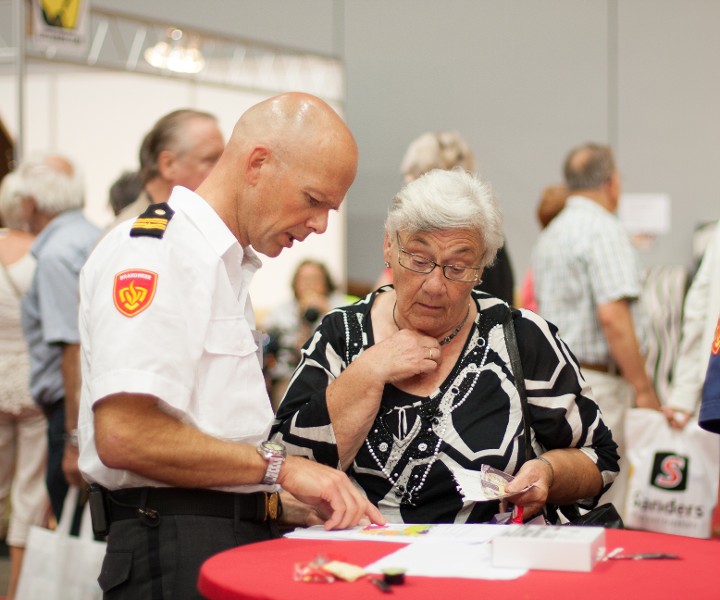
(274, 447)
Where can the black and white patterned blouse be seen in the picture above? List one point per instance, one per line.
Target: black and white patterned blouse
(473, 418)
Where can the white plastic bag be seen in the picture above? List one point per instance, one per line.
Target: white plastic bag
(673, 478)
(58, 566)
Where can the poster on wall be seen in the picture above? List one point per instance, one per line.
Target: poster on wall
(61, 25)
(645, 217)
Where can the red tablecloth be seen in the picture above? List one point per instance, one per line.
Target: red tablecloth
(265, 571)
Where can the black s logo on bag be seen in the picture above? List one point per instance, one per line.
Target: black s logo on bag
(670, 472)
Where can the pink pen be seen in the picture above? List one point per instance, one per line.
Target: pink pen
(517, 515)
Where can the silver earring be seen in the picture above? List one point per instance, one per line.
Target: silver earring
(387, 264)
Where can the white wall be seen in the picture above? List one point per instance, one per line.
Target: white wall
(99, 119)
(521, 81)
(524, 81)
(668, 111)
(301, 24)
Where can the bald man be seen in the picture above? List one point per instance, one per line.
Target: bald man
(174, 414)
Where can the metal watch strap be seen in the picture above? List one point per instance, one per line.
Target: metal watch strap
(274, 453)
(273, 469)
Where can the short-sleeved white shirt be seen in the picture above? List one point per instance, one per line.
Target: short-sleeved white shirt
(172, 318)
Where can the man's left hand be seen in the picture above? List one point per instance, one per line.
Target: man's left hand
(70, 465)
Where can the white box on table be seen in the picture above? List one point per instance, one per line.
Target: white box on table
(555, 548)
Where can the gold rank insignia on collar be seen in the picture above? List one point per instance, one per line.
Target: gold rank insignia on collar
(153, 222)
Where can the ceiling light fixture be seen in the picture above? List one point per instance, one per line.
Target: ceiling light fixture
(173, 55)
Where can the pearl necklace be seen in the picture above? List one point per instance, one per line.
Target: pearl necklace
(434, 422)
(447, 338)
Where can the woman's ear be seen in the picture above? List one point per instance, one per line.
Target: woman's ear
(387, 247)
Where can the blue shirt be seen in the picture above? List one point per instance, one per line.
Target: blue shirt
(710, 408)
(50, 306)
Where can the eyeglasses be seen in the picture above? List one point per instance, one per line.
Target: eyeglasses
(420, 264)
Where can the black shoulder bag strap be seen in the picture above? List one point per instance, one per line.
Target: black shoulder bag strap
(514, 354)
(602, 516)
(516, 366)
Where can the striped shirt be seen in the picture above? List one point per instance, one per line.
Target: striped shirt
(583, 259)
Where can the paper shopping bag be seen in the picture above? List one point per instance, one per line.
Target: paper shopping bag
(58, 566)
(673, 479)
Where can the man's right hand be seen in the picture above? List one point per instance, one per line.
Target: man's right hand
(330, 491)
(677, 417)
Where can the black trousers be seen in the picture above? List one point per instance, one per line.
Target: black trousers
(57, 485)
(55, 481)
(161, 560)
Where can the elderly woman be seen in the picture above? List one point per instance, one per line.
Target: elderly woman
(414, 383)
(23, 426)
(448, 150)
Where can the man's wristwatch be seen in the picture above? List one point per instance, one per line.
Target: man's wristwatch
(274, 453)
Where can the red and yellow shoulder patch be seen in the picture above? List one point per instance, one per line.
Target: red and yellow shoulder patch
(134, 290)
(716, 340)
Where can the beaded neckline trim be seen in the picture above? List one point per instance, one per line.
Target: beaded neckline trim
(434, 419)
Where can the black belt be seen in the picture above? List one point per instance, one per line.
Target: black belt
(609, 368)
(51, 407)
(153, 503)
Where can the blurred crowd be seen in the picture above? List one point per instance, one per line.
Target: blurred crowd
(634, 347)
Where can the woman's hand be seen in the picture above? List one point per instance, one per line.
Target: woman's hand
(354, 397)
(538, 474)
(405, 354)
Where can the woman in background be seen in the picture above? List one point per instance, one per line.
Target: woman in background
(411, 388)
(448, 150)
(289, 325)
(23, 427)
(552, 201)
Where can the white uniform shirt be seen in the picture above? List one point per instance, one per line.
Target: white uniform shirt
(172, 318)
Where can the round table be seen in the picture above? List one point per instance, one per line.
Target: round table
(265, 571)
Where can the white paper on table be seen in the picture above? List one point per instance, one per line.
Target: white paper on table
(406, 533)
(443, 558)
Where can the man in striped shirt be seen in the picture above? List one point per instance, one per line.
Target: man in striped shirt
(587, 278)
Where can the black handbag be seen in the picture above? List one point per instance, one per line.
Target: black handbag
(605, 515)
